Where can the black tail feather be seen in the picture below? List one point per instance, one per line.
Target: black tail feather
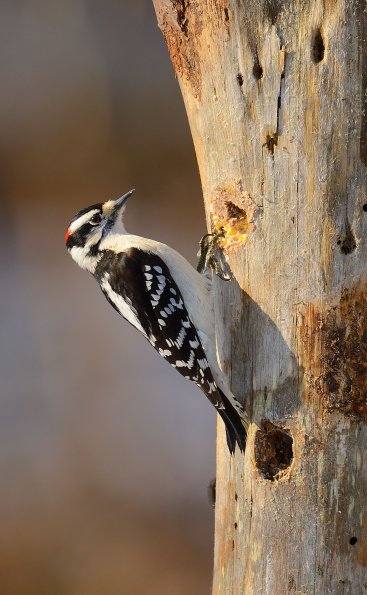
(235, 430)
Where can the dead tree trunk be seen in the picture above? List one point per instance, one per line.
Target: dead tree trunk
(276, 96)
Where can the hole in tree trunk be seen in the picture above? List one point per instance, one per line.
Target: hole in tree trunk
(257, 70)
(318, 47)
(271, 142)
(273, 451)
(212, 488)
(348, 244)
(353, 540)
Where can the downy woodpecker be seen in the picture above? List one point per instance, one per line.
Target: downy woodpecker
(162, 295)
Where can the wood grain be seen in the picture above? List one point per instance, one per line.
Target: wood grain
(275, 92)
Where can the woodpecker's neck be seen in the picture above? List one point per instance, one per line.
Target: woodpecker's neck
(113, 227)
(86, 257)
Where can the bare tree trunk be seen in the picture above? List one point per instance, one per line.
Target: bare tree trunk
(276, 96)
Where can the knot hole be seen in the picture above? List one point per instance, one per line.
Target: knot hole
(273, 451)
(318, 47)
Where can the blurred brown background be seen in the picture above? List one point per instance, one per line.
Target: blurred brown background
(105, 451)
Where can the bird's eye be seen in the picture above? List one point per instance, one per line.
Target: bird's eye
(97, 218)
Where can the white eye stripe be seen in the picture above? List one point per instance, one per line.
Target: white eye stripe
(82, 220)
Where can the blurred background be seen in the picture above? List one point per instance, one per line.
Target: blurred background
(105, 451)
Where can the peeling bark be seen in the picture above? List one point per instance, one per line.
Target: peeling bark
(275, 92)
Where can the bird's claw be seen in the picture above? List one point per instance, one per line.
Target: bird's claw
(211, 257)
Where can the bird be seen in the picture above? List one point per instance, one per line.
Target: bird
(162, 295)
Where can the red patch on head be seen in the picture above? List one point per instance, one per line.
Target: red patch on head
(67, 235)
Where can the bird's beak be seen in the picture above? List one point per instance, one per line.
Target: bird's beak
(112, 208)
(120, 202)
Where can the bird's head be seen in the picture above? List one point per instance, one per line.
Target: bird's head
(90, 226)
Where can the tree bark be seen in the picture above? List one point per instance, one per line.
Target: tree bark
(276, 96)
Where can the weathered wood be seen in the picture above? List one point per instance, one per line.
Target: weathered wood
(275, 92)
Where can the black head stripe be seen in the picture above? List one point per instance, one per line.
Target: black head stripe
(78, 237)
(86, 210)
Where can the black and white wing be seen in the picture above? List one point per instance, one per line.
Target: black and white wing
(139, 285)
